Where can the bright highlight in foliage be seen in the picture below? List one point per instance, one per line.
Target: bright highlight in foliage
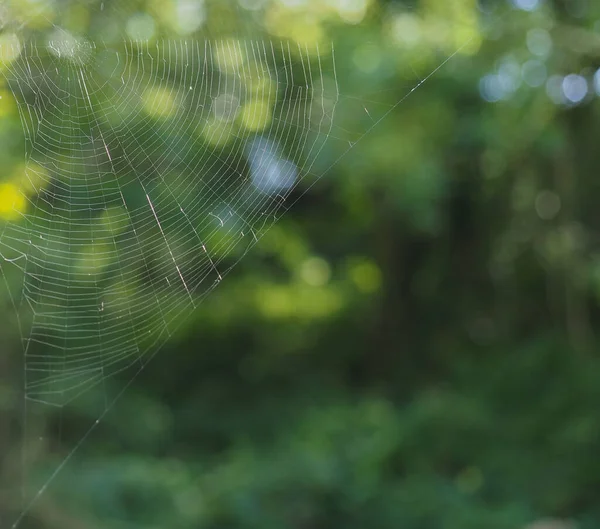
(10, 48)
(256, 115)
(159, 102)
(217, 132)
(94, 259)
(141, 26)
(229, 56)
(315, 271)
(366, 276)
(296, 301)
(12, 202)
(260, 85)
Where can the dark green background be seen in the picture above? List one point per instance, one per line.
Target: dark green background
(441, 371)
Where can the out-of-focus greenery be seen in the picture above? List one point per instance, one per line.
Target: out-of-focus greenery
(413, 344)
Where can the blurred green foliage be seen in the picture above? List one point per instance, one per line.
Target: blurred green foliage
(413, 344)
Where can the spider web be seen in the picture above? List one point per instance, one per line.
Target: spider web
(151, 169)
(96, 156)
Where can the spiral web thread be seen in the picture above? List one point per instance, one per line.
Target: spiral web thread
(82, 242)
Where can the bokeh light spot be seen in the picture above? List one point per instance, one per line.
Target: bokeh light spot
(509, 74)
(526, 5)
(140, 26)
(534, 73)
(217, 133)
(270, 173)
(539, 42)
(190, 16)
(490, 88)
(406, 29)
(225, 107)
(229, 55)
(575, 88)
(352, 11)
(12, 202)
(315, 271)
(10, 48)
(256, 115)
(366, 275)
(94, 258)
(159, 102)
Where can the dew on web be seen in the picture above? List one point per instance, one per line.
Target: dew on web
(151, 168)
